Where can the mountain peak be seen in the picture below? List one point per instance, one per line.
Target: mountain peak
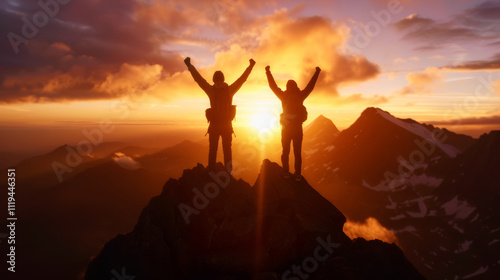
(411, 126)
(208, 225)
(321, 123)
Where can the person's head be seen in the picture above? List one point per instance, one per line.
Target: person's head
(218, 77)
(291, 85)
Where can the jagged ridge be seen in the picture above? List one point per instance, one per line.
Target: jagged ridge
(211, 226)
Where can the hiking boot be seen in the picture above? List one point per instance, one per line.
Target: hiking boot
(286, 175)
(298, 177)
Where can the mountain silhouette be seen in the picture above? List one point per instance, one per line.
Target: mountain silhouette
(441, 206)
(236, 231)
(320, 133)
(38, 172)
(372, 155)
(444, 213)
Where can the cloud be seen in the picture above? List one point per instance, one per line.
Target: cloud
(413, 22)
(361, 99)
(494, 44)
(126, 162)
(130, 78)
(294, 47)
(78, 50)
(477, 65)
(95, 50)
(284, 43)
(399, 60)
(402, 60)
(481, 22)
(432, 32)
(490, 120)
(369, 230)
(423, 82)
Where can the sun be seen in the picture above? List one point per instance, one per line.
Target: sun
(264, 121)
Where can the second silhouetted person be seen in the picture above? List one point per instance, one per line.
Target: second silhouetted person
(294, 114)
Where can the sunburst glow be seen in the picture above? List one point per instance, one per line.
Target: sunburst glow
(264, 121)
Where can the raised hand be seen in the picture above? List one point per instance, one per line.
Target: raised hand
(252, 62)
(268, 68)
(187, 61)
(318, 69)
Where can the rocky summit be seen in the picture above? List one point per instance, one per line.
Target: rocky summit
(208, 225)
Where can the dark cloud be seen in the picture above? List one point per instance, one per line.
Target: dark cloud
(413, 21)
(494, 44)
(491, 64)
(80, 45)
(430, 31)
(479, 23)
(489, 10)
(491, 120)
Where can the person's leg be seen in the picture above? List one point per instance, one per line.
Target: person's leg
(285, 143)
(297, 149)
(213, 139)
(227, 137)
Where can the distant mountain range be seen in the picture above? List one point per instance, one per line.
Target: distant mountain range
(437, 190)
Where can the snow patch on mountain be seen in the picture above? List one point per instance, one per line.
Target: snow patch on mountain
(420, 131)
(329, 148)
(461, 209)
(463, 247)
(480, 271)
(385, 186)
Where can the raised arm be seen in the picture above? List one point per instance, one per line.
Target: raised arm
(238, 83)
(310, 86)
(197, 77)
(272, 83)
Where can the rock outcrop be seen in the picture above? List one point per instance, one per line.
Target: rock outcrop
(208, 225)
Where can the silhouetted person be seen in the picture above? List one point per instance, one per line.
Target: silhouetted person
(294, 114)
(221, 112)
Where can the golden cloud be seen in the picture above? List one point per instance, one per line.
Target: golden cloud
(423, 82)
(130, 79)
(293, 48)
(370, 229)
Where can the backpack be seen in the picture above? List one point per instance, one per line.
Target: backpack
(212, 115)
(299, 117)
(221, 109)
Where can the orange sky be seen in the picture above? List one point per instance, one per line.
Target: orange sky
(433, 61)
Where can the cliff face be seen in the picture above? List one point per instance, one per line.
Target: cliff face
(207, 225)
